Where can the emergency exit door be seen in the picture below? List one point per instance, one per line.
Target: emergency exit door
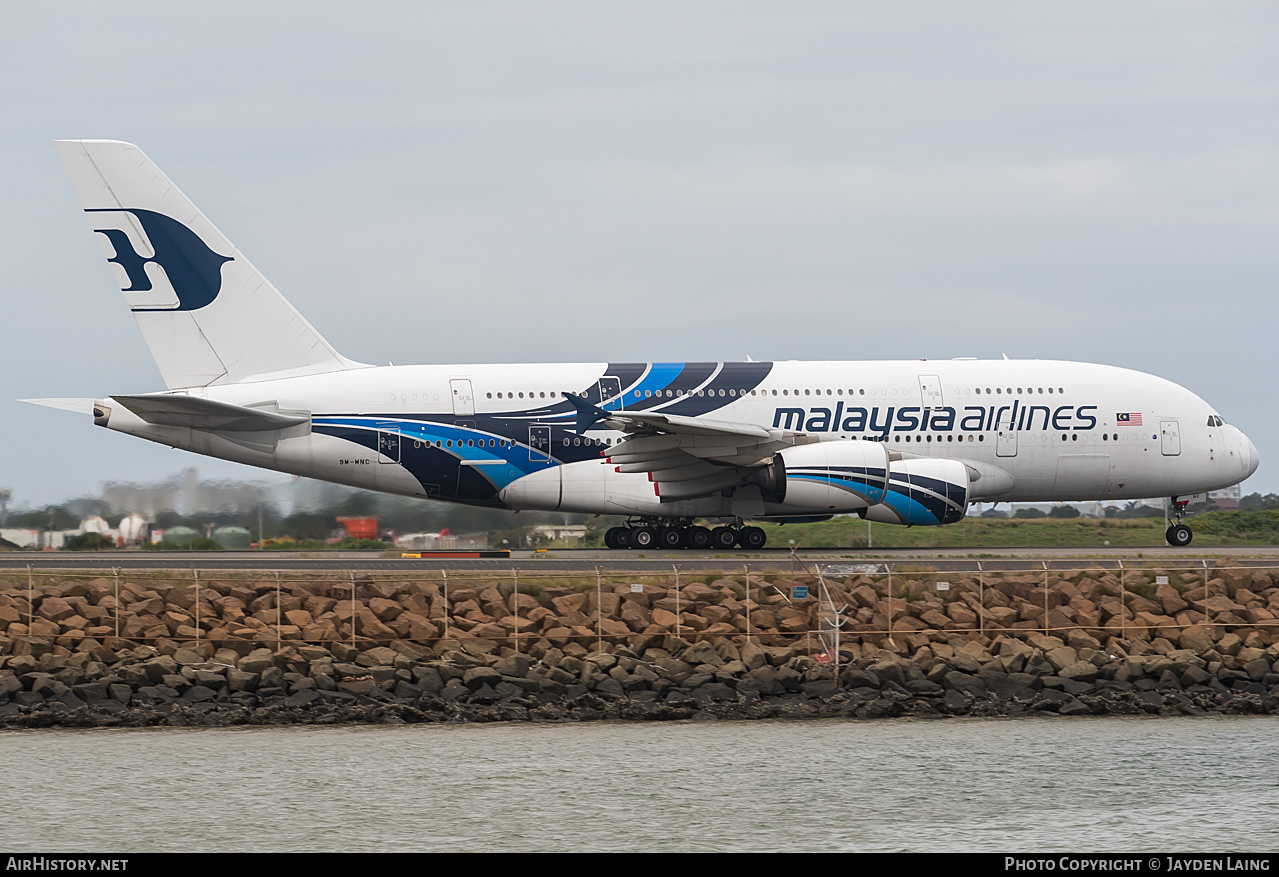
(463, 398)
(539, 444)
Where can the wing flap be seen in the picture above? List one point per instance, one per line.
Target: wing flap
(643, 421)
(686, 457)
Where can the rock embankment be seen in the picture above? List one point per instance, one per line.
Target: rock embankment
(109, 651)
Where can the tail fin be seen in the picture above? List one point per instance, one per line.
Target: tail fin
(208, 316)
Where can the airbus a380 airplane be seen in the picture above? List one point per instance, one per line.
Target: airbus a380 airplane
(911, 442)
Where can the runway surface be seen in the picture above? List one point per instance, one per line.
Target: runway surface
(590, 561)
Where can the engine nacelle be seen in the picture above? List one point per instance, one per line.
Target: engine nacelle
(845, 476)
(923, 492)
(866, 478)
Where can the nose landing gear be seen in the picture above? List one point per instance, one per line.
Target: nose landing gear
(1179, 535)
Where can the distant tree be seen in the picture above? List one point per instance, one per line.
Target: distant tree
(1257, 501)
(1251, 523)
(1029, 513)
(350, 543)
(52, 517)
(1132, 510)
(357, 504)
(1063, 511)
(308, 525)
(88, 542)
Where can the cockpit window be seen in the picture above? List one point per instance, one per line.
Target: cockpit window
(1215, 420)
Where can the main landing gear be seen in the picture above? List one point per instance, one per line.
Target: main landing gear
(670, 535)
(1179, 535)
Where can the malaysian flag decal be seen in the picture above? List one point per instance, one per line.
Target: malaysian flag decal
(1130, 418)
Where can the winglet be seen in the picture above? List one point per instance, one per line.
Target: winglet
(587, 414)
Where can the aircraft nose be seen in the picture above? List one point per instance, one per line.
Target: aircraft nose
(1253, 460)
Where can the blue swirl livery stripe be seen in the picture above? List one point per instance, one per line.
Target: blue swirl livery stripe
(909, 510)
(693, 375)
(741, 377)
(919, 499)
(499, 465)
(869, 484)
(659, 376)
(954, 494)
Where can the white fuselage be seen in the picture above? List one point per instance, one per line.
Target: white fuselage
(502, 435)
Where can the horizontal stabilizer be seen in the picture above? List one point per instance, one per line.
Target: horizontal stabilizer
(206, 414)
(79, 406)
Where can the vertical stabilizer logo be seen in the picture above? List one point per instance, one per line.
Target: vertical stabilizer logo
(189, 275)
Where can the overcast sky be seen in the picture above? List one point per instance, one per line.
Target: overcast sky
(467, 182)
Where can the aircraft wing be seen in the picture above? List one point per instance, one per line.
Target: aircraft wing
(687, 456)
(643, 422)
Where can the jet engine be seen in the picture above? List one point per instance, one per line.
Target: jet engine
(833, 476)
(923, 491)
(866, 478)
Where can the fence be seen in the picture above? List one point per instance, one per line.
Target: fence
(891, 605)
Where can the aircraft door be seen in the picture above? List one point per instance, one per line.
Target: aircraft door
(1083, 475)
(1169, 438)
(930, 391)
(539, 444)
(1006, 439)
(463, 398)
(388, 447)
(610, 387)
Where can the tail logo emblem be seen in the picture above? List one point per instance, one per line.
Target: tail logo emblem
(191, 268)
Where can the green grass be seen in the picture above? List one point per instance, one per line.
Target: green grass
(976, 533)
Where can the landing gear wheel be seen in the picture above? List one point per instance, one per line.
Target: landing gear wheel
(643, 537)
(698, 537)
(1179, 536)
(723, 538)
(671, 537)
(621, 537)
(752, 538)
(610, 538)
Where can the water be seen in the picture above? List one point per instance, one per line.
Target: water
(1073, 785)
